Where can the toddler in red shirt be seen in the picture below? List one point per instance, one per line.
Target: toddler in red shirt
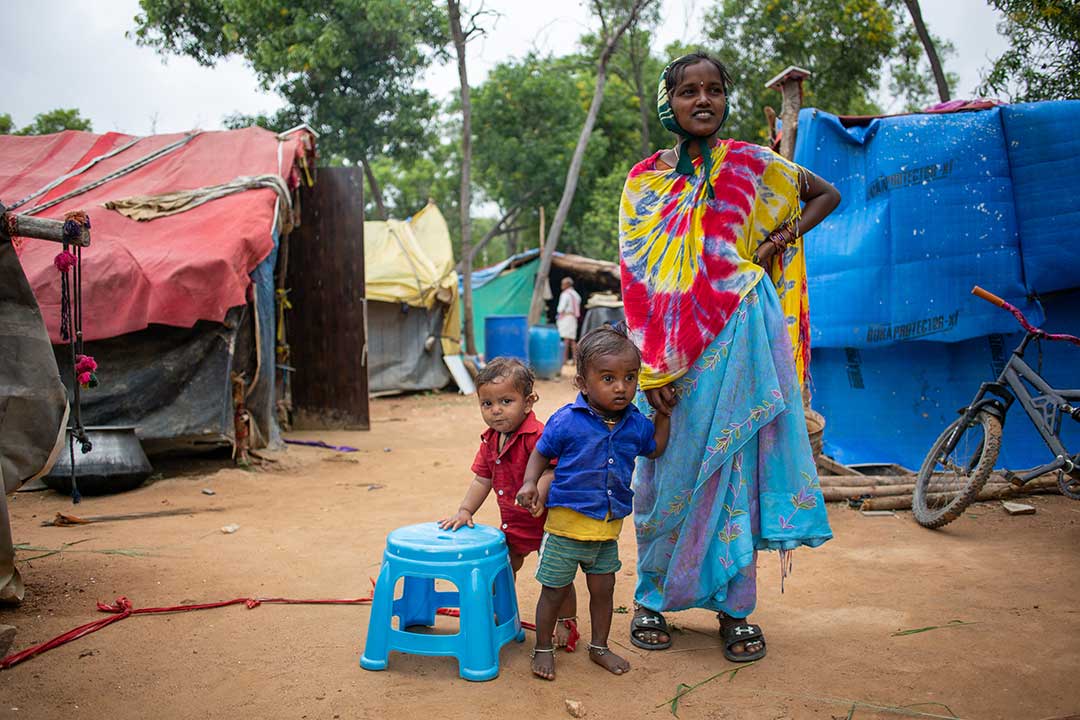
(505, 390)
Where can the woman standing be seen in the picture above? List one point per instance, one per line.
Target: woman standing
(724, 353)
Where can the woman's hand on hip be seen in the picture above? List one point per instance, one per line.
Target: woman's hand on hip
(662, 398)
(764, 253)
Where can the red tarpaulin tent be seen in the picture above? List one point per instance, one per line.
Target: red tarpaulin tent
(175, 305)
(173, 270)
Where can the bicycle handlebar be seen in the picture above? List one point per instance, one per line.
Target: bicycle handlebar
(987, 296)
(995, 300)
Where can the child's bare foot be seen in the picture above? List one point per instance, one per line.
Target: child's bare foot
(543, 663)
(602, 656)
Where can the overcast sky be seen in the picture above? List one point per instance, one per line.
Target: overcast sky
(72, 53)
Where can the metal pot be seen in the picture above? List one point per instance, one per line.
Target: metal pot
(115, 464)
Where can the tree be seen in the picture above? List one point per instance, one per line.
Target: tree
(928, 45)
(847, 44)
(615, 17)
(634, 65)
(346, 67)
(1041, 62)
(460, 35)
(528, 113)
(45, 123)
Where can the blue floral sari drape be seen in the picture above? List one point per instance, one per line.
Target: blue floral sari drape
(738, 475)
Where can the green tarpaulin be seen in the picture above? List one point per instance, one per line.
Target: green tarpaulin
(508, 294)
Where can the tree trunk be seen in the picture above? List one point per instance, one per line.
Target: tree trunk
(931, 51)
(552, 241)
(454, 7)
(637, 66)
(376, 192)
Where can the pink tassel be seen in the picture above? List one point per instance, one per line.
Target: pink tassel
(65, 260)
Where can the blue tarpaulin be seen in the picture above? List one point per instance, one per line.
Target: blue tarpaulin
(932, 205)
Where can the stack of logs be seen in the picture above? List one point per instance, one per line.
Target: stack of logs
(894, 492)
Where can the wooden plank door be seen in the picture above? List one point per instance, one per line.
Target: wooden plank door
(327, 326)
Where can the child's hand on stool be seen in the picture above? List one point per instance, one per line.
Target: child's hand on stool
(460, 519)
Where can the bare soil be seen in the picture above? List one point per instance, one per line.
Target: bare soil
(312, 525)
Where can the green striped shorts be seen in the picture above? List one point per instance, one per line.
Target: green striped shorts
(560, 557)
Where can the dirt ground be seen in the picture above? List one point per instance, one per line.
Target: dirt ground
(313, 526)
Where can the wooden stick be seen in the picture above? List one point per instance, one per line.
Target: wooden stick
(882, 480)
(903, 502)
(840, 494)
(864, 480)
(65, 520)
(826, 463)
(39, 228)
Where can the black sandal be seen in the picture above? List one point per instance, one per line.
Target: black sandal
(646, 620)
(742, 632)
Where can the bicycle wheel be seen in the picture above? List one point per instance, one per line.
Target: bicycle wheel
(949, 482)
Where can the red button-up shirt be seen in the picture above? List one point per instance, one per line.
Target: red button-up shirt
(506, 469)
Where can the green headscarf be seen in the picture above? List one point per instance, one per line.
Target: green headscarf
(685, 165)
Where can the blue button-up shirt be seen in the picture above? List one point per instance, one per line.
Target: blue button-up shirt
(595, 463)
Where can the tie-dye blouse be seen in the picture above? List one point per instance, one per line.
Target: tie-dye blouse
(686, 258)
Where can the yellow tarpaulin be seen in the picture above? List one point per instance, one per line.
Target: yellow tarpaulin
(412, 262)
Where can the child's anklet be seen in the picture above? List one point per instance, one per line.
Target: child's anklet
(541, 650)
(599, 649)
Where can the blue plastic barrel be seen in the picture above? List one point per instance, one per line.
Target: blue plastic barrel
(506, 336)
(545, 351)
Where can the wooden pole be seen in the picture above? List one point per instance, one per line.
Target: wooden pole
(541, 245)
(27, 226)
(903, 502)
(789, 84)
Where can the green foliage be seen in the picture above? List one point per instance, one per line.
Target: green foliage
(346, 67)
(409, 182)
(847, 44)
(527, 116)
(45, 123)
(599, 233)
(1042, 61)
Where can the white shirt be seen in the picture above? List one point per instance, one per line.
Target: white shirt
(569, 303)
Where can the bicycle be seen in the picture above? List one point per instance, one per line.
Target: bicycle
(962, 458)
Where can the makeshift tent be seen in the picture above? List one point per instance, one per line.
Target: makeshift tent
(178, 300)
(506, 288)
(932, 205)
(412, 292)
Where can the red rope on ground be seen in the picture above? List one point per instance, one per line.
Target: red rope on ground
(571, 639)
(455, 612)
(123, 608)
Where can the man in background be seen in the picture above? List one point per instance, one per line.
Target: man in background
(566, 318)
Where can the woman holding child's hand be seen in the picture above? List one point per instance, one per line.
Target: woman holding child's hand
(714, 290)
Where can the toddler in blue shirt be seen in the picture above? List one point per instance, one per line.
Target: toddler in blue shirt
(596, 439)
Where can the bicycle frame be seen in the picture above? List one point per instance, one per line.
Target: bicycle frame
(1045, 409)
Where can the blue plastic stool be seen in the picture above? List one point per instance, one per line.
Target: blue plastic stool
(475, 560)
